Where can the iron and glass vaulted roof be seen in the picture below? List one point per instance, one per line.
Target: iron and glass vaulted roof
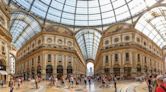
(85, 12)
(153, 24)
(23, 27)
(88, 40)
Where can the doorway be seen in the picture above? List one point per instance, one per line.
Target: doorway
(59, 71)
(49, 71)
(90, 69)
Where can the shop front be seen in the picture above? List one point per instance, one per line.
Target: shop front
(3, 73)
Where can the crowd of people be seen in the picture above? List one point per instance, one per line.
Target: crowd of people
(18, 82)
(156, 83)
(70, 81)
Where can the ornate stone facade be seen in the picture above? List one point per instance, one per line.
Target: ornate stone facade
(127, 53)
(5, 43)
(50, 52)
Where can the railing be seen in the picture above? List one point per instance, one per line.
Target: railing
(57, 47)
(128, 44)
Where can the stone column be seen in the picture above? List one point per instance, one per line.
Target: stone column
(43, 72)
(55, 65)
(55, 71)
(111, 71)
(65, 65)
(143, 70)
(121, 72)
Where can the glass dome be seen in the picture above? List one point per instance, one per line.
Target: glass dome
(85, 12)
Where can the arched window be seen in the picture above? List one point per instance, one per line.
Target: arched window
(60, 69)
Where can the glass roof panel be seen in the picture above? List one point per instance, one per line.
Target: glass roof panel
(153, 24)
(85, 12)
(22, 28)
(88, 40)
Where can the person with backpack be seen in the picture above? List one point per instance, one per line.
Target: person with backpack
(161, 86)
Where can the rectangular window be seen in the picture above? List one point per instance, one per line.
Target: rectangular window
(145, 59)
(127, 56)
(138, 57)
(106, 59)
(38, 59)
(3, 50)
(49, 57)
(32, 61)
(116, 57)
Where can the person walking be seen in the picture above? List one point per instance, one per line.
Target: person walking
(2, 83)
(85, 80)
(103, 81)
(89, 80)
(77, 82)
(63, 81)
(36, 82)
(114, 81)
(56, 81)
(71, 79)
(19, 82)
(11, 85)
(149, 83)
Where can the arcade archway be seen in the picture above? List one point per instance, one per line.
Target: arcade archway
(59, 71)
(90, 69)
(49, 71)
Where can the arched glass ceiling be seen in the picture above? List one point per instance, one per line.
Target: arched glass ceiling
(88, 40)
(85, 12)
(22, 28)
(153, 24)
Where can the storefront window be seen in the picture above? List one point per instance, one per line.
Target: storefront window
(2, 67)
